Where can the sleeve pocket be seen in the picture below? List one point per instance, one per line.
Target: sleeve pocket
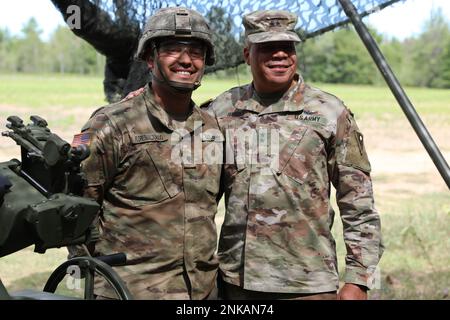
(356, 155)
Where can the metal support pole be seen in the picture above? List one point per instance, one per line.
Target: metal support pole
(398, 91)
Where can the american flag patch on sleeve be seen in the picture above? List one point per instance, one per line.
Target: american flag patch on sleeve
(81, 138)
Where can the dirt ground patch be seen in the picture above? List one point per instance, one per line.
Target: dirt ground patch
(400, 163)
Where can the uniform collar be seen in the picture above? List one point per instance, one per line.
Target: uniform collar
(194, 120)
(291, 101)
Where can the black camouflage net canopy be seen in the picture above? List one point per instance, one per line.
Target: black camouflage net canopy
(113, 27)
(225, 18)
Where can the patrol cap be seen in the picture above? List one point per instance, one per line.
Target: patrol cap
(270, 25)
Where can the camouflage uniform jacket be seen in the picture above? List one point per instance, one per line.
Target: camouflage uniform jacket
(156, 209)
(276, 236)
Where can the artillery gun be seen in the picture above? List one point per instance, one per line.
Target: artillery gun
(41, 204)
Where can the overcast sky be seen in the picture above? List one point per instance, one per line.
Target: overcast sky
(402, 20)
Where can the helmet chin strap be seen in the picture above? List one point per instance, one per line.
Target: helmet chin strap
(180, 87)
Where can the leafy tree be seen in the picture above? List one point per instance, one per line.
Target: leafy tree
(4, 35)
(394, 52)
(444, 79)
(429, 50)
(30, 49)
(6, 56)
(60, 49)
(337, 57)
(71, 54)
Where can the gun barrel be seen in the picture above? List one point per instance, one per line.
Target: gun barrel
(30, 147)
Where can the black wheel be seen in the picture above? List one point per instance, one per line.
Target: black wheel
(89, 267)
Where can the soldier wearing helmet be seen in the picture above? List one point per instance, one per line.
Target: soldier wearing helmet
(163, 35)
(149, 169)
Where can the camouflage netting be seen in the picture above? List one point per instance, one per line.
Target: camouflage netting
(113, 28)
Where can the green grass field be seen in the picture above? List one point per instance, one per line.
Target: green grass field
(412, 199)
(71, 91)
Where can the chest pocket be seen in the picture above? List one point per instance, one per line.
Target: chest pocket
(202, 180)
(235, 164)
(299, 154)
(146, 177)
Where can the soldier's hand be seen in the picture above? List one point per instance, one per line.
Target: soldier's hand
(351, 291)
(133, 94)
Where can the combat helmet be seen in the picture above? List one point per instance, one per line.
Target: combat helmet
(177, 22)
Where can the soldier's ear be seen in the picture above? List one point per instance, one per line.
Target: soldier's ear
(149, 56)
(247, 54)
(150, 61)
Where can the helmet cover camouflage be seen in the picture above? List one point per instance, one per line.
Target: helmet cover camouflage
(176, 22)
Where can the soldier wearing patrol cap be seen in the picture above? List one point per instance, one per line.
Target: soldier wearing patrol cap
(158, 198)
(276, 240)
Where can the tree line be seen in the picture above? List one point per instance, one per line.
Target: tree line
(61, 53)
(334, 57)
(340, 57)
